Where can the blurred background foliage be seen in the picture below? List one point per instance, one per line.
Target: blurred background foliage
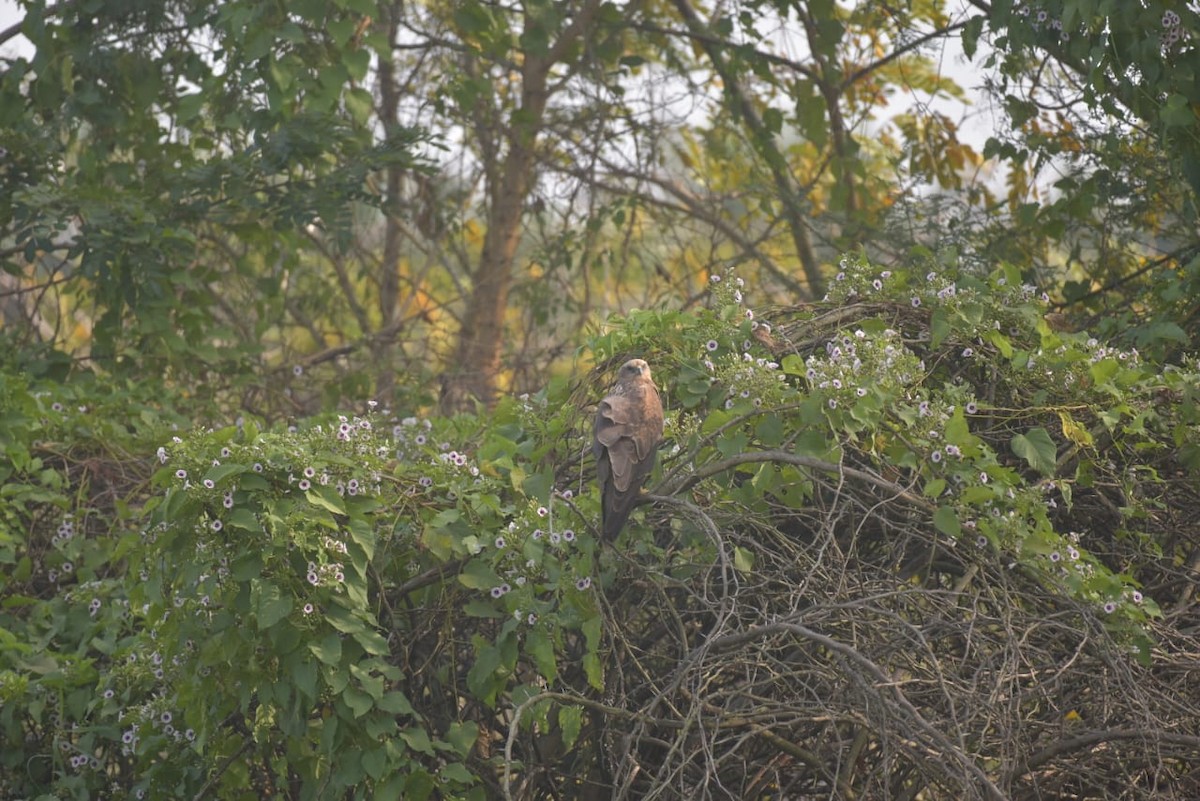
(448, 193)
(222, 223)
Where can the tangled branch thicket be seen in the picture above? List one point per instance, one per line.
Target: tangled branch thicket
(856, 652)
(823, 673)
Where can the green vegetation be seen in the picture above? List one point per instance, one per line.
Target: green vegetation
(305, 307)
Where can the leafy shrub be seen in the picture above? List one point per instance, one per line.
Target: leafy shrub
(917, 477)
(71, 486)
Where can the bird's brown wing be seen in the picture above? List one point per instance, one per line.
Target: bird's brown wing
(627, 431)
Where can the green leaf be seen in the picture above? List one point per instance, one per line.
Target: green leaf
(221, 472)
(743, 559)
(304, 675)
(570, 722)
(244, 519)
(418, 740)
(462, 737)
(945, 520)
(939, 327)
(358, 701)
(375, 761)
(970, 35)
(326, 498)
(360, 104)
(591, 660)
(372, 641)
(541, 648)
(1037, 449)
(271, 605)
(371, 684)
(328, 649)
(344, 620)
(362, 533)
(396, 703)
(481, 678)
(1001, 343)
(247, 566)
(477, 575)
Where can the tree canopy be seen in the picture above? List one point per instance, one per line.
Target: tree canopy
(306, 308)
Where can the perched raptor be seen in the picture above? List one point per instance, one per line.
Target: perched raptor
(629, 425)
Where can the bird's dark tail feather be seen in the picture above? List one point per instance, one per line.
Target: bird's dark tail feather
(615, 514)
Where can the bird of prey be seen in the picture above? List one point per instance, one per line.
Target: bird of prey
(629, 426)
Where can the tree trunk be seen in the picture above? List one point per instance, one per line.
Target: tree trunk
(383, 350)
(473, 374)
(476, 365)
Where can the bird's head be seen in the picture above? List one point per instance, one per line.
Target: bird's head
(635, 369)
